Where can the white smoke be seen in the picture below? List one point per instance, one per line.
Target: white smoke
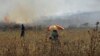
(27, 11)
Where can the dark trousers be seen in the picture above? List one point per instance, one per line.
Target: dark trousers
(22, 33)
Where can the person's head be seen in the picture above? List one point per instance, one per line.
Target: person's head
(22, 25)
(54, 30)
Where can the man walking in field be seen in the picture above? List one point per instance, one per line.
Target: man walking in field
(22, 30)
(55, 41)
(54, 31)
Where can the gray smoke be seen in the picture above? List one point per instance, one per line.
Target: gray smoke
(31, 11)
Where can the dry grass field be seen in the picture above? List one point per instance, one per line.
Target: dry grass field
(72, 42)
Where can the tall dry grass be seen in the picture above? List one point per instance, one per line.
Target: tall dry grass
(74, 42)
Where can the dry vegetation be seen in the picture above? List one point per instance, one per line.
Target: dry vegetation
(73, 42)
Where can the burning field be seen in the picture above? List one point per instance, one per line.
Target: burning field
(79, 35)
(72, 42)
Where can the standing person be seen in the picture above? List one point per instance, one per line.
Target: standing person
(22, 30)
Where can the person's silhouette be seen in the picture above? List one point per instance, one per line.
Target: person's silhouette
(22, 30)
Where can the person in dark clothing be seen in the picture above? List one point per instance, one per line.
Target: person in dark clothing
(22, 30)
(54, 35)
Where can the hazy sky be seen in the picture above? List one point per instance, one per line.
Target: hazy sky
(18, 10)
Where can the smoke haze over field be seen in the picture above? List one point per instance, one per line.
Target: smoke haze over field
(29, 11)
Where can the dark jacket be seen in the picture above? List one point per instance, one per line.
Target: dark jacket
(22, 30)
(54, 35)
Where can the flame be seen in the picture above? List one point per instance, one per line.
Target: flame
(6, 19)
(20, 15)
